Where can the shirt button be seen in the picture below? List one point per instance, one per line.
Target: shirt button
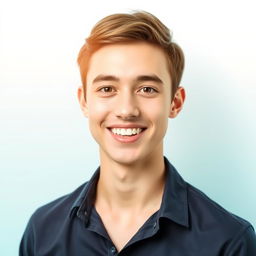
(113, 249)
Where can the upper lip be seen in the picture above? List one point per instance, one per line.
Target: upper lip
(126, 126)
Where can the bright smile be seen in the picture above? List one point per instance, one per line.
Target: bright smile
(126, 135)
(126, 132)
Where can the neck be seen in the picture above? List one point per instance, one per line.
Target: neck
(134, 187)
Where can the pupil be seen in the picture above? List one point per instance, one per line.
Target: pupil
(146, 89)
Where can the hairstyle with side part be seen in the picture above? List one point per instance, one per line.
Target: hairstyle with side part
(127, 28)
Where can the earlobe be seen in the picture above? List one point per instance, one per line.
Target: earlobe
(81, 100)
(177, 102)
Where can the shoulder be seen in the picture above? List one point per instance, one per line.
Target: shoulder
(47, 221)
(199, 201)
(211, 219)
(58, 209)
(209, 210)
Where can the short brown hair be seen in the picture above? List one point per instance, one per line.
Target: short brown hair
(125, 28)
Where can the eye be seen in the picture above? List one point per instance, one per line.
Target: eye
(148, 90)
(106, 89)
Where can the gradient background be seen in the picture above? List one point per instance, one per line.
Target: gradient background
(45, 146)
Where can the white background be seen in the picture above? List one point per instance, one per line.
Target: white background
(45, 146)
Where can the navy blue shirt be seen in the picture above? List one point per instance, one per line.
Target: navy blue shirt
(188, 223)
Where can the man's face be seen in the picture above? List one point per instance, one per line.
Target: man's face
(128, 101)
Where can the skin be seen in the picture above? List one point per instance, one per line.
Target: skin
(122, 90)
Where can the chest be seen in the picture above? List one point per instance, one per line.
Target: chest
(122, 229)
(79, 239)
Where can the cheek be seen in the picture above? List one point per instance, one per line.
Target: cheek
(96, 108)
(157, 110)
(97, 112)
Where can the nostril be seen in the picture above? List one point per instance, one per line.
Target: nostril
(127, 112)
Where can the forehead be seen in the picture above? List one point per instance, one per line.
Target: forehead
(128, 60)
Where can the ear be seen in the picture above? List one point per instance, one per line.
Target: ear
(177, 102)
(82, 101)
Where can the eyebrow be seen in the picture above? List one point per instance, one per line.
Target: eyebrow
(142, 78)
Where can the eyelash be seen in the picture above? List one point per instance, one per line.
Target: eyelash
(153, 90)
(106, 87)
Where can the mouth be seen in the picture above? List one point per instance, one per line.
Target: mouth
(126, 135)
(127, 132)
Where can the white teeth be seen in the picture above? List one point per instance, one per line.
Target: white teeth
(126, 132)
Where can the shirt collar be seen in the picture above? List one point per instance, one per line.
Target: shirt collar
(83, 204)
(174, 204)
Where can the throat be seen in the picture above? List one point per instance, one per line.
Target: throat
(130, 187)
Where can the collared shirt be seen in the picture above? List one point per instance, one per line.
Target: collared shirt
(188, 223)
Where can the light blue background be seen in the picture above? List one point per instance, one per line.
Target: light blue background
(45, 147)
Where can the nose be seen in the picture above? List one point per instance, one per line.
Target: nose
(126, 106)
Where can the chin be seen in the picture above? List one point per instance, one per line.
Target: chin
(125, 158)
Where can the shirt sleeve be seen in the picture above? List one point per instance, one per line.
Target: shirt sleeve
(244, 245)
(27, 241)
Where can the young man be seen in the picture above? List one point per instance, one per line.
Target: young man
(136, 203)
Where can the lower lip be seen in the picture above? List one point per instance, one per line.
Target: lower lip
(126, 139)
